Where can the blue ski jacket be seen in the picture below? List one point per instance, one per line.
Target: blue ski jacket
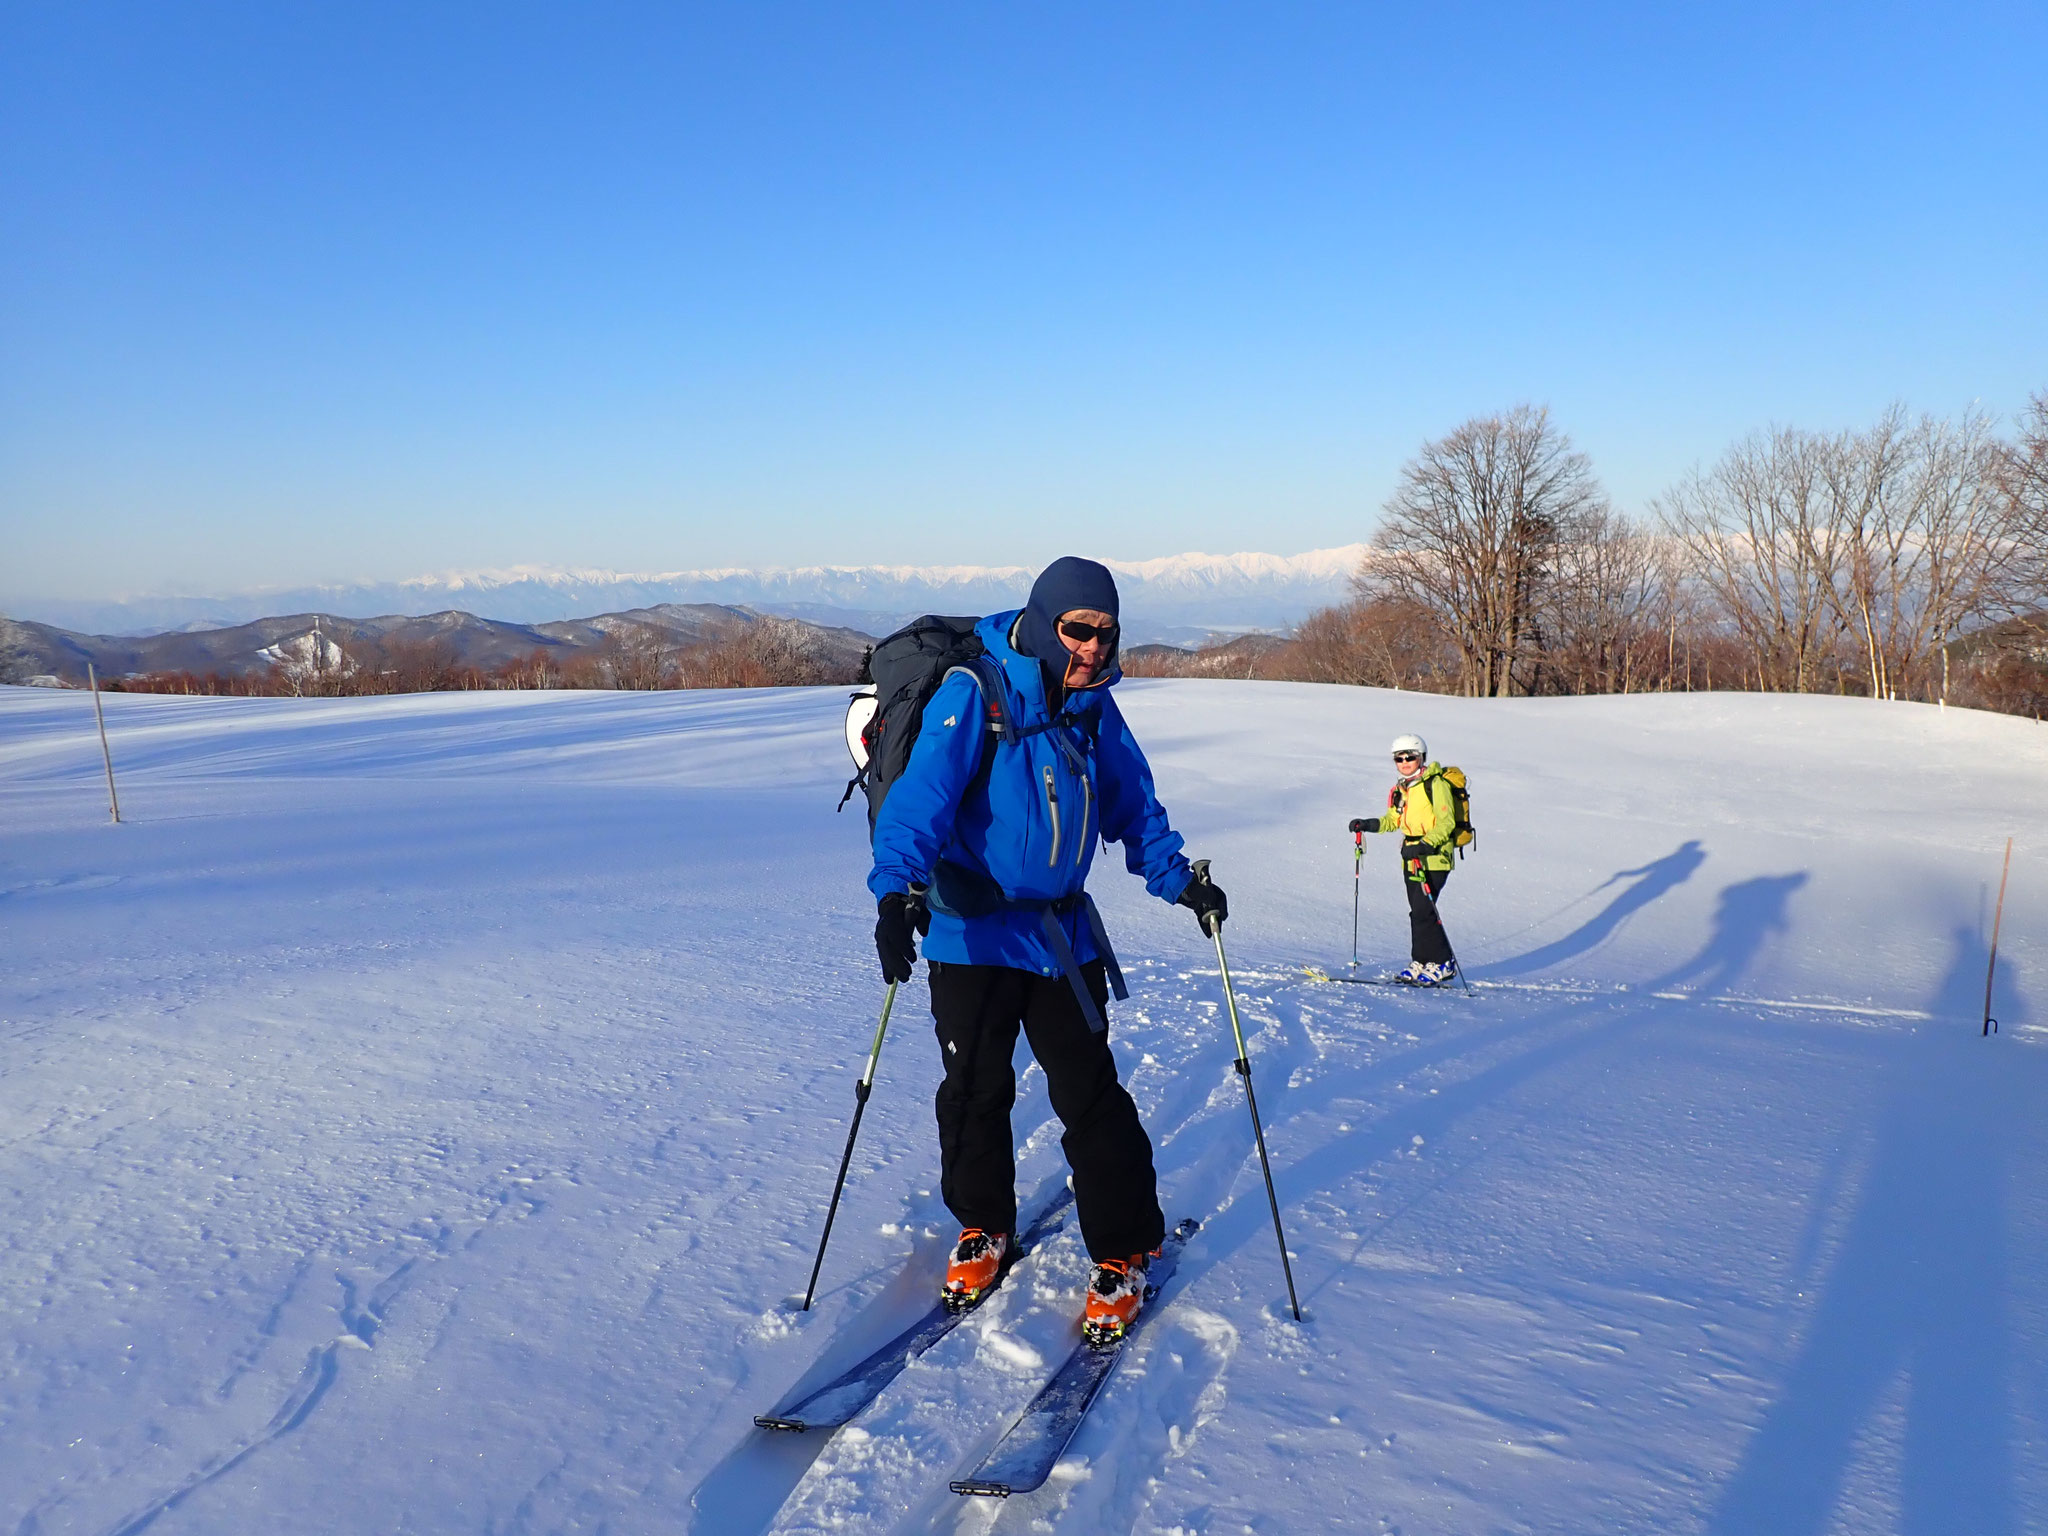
(995, 854)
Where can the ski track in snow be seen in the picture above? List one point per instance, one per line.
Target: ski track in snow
(361, 1316)
(420, 1118)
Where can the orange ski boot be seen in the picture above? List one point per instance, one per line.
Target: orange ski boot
(1116, 1292)
(976, 1265)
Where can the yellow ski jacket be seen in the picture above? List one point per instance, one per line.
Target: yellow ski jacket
(1421, 810)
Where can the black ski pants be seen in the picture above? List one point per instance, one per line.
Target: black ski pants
(1426, 939)
(977, 1011)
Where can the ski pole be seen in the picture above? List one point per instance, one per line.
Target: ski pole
(860, 1104)
(1440, 928)
(1357, 872)
(1991, 1024)
(1244, 1070)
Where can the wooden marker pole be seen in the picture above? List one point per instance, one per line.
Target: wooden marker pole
(1991, 970)
(113, 798)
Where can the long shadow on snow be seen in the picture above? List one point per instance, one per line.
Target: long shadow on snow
(747, 1490)
(1960, 996)
(1918, 1289)
(1746, 918)
(1651, 881)
(750, 1484)
(1748, 914)
(1204, 1165)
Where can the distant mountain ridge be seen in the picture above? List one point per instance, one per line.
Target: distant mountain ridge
(1176, 598)
(29, 649)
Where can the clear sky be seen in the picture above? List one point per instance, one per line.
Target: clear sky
(303, 292)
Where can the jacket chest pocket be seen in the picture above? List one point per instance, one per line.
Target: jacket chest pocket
(1069, 806)
(1417, 812)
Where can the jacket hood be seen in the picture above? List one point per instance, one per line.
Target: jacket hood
(1068, 583)
(1000, 636)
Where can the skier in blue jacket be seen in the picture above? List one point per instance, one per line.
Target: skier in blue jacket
(986, 840)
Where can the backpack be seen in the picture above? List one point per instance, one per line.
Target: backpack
(901, 673)
(1463, 835)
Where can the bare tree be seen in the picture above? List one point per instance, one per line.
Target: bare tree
(1926, 542)
(767, 652)
(1758, 536)
(536, 669)
(639, 657)
(2020, 472)
(1472, 531)
(1369, 644)
(1608, 618)
(1854, 557)
(420, 664)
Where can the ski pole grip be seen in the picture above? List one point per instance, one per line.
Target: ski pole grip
(1199, 869)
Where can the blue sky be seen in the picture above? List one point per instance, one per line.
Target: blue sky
(301, 293)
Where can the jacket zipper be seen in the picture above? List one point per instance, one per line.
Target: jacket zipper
(1087, 805)
(1052, 811)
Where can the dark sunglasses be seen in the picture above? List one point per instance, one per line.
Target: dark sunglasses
(1407, 757)
(1075, 630)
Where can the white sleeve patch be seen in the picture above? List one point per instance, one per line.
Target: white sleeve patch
(951, 721)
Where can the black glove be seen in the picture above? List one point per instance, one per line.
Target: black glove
(1364, 824)
(896, 915)
(1204, 897)
(1415, 849)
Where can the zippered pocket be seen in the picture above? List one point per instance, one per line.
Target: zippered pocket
(1052, 813)
(1087, 806)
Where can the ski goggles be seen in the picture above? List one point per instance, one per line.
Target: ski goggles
(1407, 757)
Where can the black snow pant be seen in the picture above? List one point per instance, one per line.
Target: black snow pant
(977, 1011)
(1426, 939)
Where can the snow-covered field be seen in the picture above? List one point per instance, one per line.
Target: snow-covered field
(419, 1117)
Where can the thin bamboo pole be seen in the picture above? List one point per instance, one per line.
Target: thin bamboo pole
(106, 755)
(1991, 970)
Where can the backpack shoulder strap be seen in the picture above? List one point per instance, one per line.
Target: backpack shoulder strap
(989, 684)
(996, 717)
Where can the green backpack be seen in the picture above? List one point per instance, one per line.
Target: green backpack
(1462, 834)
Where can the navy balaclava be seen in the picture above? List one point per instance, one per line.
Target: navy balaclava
(1068, 583)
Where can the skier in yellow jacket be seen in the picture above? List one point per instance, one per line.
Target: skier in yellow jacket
(1421, 809)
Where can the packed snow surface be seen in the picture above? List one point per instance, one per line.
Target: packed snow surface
(419, 1115)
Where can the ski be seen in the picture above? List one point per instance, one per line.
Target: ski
(1024, 1457)
(838, 1400)
(1317, 973)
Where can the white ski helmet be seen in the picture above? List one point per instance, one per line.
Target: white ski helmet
(1413, 744)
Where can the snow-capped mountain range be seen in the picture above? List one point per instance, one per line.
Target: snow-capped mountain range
(1179, 598)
